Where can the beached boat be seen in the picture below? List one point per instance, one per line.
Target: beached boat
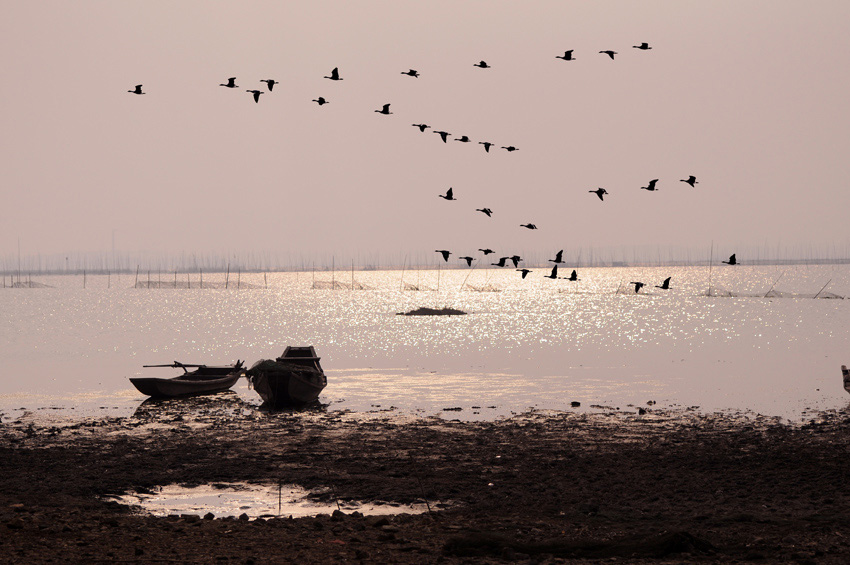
(202, 380)
(846, 374)
(293, 379)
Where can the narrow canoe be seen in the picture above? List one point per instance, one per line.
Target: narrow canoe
(203, 380)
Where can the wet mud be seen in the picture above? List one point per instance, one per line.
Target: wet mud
(657, 487)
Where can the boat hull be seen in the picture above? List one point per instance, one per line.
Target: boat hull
(294, 379)
(185, 385)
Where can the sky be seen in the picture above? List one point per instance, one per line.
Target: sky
(748, 96)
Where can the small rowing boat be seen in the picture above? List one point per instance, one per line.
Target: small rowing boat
(203, 379)
(293, 379)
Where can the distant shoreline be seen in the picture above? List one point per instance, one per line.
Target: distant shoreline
(367, 268)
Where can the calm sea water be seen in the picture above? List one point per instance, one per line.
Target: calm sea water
(534, 343)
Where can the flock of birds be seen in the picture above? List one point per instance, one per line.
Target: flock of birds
(449, 195)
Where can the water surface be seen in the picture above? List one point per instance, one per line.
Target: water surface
(534, 343)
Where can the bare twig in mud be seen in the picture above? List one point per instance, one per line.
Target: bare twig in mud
(333, 488)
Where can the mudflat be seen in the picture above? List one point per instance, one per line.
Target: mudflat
(613, 486)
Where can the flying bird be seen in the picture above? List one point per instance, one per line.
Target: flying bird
(510, 148)
(443, 134)
(256, 94)
(231, 83)
(638, 286)
(651, 185)
(600, 192)
(573, 277)
(422, 127)
(411, 73)
(463, 139)
(554, 274)
(486, 145)
(468, 260)
(334, 74)
(731, 261)
(385, 109)
(529, 226)
(610, 53)
(664, 285)
(524, 272)
(568, 56)
(487, 211)
(270, 82)
(137, 90)
(449, 195)
(486, 251)
(482, 64)
(501, 262)
(691, 180)
(444, 253)
(515, 259)
(558, 256)
(320, 101)
(643, 46)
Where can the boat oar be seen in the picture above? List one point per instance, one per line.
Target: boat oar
(175, 365)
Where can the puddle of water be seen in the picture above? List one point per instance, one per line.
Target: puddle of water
(234, 499)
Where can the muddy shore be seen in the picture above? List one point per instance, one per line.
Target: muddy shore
(661, 487)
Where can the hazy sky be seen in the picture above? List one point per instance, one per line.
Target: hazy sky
(750, 97)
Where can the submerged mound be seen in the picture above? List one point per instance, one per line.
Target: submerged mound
(433, 312)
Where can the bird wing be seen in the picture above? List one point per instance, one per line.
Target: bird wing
(449, 193)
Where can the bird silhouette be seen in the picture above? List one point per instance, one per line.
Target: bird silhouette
(554, 274)
(609, 53)
(468, 260)
(320, 101)
(422, 127)
(651, 185)
(256, 94)
(385, 109)
(515, 259)
(487, 211)
(600, 192)
(501, 262)
(486, 145)
(449, 195)
(732, 260)
(510, 148)
(524, 272)
(638, 286)
(231, 83)
(444, 253)
(137, 90)
(334, 74)
(558, 257)
(270, 82)
(691, 180)
(643, 46)
(573, 277)
(529, 226)
(568, 56)
(486, 251)
(443, 134)
(411, 73)
(664, 285)
(463, 139)
(482, 64)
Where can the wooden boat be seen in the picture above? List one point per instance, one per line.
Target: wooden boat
(294, 379)
(203, 380)
(846, 374)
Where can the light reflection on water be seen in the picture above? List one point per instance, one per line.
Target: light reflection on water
(536, 343)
